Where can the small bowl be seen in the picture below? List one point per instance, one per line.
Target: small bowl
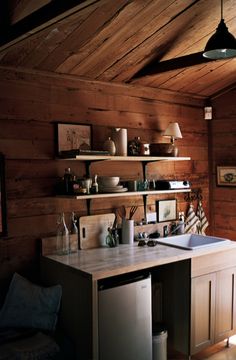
(162, 149)
(108, 181)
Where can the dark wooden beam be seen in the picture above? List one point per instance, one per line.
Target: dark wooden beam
(36, 19)
(4, 15)
(157, 67)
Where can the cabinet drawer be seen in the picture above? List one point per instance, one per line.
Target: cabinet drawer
(213, 262)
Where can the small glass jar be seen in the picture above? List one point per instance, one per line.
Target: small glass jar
(112, 238)
(134, 146)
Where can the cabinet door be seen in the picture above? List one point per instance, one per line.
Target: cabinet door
(202, 312)
(225, 303)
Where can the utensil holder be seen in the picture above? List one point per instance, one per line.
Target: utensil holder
(127, 231)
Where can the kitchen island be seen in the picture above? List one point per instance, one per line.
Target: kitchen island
(182, 273)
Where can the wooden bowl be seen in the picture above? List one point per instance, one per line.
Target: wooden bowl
(161, 149)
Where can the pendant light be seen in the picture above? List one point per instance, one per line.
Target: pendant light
(222, 44)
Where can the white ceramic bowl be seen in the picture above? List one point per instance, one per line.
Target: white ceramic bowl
(108, 181)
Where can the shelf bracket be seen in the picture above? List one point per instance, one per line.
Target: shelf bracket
(144, 166)
(88, 203)
(87, 168)
(88, 164)
(145, 206)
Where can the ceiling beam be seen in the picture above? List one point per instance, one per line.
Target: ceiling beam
(157, 67)
(39, 19)
(223, 91)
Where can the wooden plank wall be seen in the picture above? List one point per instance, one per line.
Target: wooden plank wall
(30, 104)
(223, 139)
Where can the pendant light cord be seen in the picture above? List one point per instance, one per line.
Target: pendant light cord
(222, 9)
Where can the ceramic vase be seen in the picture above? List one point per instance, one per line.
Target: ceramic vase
(120, 138)
(110, 146)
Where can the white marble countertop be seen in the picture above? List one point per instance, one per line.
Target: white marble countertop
(104, 262)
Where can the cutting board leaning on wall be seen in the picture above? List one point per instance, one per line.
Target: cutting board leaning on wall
(93, 230)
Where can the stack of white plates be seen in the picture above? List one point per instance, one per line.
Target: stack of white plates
(110, 184)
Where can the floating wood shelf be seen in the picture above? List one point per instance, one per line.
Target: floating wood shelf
(125, 158)
(122, 194)
(144, 161)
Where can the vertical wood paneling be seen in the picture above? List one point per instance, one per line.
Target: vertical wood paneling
(223, 135)
(30, 105)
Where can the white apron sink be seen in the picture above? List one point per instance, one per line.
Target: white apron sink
(192, 241)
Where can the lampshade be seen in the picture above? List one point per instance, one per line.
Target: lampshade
(222, 44)
(173, 131)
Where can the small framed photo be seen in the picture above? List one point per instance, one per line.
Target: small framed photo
(226, 175)
(72, 137)
(166, 210)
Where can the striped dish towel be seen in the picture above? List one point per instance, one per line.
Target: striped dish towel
(203, 222)
(191, 221)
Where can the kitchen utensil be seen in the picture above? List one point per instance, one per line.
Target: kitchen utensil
(93, 230)
(132, 211)
(122, 212)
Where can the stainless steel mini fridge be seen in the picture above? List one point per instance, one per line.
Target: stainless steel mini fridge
(125, 320)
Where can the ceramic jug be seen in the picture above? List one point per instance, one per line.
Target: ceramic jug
(110, 146)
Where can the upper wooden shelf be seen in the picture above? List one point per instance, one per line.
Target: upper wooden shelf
(125, 158)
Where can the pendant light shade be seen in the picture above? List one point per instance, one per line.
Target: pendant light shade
(221, 45)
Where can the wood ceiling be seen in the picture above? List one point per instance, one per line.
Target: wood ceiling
(114, 40)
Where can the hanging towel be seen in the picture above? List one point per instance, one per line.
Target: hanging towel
(203, 222)
(191, 221)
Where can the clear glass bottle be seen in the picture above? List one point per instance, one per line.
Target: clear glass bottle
(68, 181)
(63, 237)
(74, 233)
(94, 188)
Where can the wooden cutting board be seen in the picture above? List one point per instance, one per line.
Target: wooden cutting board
(93, 230)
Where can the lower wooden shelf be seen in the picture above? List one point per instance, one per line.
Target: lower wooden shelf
(122, 194)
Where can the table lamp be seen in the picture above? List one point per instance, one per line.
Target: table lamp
(173, 131)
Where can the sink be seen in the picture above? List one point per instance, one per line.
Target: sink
(192, 241)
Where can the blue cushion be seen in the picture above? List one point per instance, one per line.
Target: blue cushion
(30, 306)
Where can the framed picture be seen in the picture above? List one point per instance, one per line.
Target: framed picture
(226, 175)
(166, 210)
(72, 137)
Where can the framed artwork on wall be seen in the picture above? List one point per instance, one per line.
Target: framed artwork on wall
(226, 175)
(72, 137)
(166, 210)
